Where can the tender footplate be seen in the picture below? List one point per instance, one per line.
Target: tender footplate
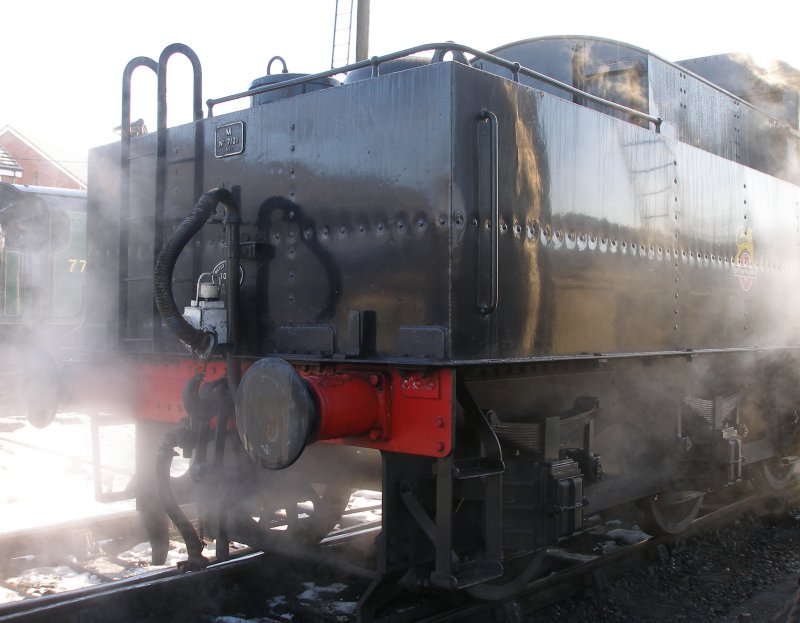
(477, 467)
(476, 572)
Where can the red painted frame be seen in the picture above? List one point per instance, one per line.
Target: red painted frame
(414, 416)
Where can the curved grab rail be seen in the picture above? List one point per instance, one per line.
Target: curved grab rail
(125, 179)
(197, 104)
(127, 75)
(285, 70)
(161, 146)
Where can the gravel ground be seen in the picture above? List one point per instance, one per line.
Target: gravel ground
(746, 571)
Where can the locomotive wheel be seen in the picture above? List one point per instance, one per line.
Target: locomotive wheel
(779, 473)
(671, 512)
(40, 391)
(307, 514)
(507, 587)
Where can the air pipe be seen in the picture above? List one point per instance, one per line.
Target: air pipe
(197, 340)
(203, 342)
(194, 546)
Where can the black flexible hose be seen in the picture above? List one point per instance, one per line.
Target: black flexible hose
(198, 341)
(195, 339)
(194, 546)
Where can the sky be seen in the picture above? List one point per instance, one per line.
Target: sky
(64, 60)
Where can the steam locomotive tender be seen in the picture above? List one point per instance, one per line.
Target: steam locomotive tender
(553, 279)
(42, 293)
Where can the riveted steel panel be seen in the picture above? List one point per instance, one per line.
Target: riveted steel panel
(614, 238)
(371, 234)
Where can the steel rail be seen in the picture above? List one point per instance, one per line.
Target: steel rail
(573, 580)
(110, 599)
(154, 596)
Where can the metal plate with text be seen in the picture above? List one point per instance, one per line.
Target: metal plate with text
(229, 139)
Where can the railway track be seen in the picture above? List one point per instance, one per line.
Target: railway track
(256, 584)
(573, 570)
(167, 594)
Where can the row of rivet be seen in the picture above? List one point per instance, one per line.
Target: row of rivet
(554, 240)
(571, 241)
(581, 242)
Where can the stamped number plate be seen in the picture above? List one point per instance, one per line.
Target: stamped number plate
(229, 139)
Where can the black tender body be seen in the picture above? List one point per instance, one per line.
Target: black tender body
(42, 292)
(370, 232)
(593, 250)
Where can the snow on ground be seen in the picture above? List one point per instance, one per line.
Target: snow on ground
(46, 475)
(137, 559)
(7, 596)
(43, 580)
(49, 580)
(326, 602)
(365, 499)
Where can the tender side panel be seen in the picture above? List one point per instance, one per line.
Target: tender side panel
(345, 194)
(612, 238)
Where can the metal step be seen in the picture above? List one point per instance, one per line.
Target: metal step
(477, 467)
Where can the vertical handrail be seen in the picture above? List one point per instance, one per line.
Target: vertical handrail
(125, 186)
(489, 117)
(161, 149)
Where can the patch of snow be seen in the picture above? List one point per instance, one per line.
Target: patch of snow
(48, 580)
(7, 596)
(312, 592)
(344, 607)
(140, 555)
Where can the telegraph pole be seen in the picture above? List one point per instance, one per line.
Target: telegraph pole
(362, 30)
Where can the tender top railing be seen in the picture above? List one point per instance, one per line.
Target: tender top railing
(440, 50)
